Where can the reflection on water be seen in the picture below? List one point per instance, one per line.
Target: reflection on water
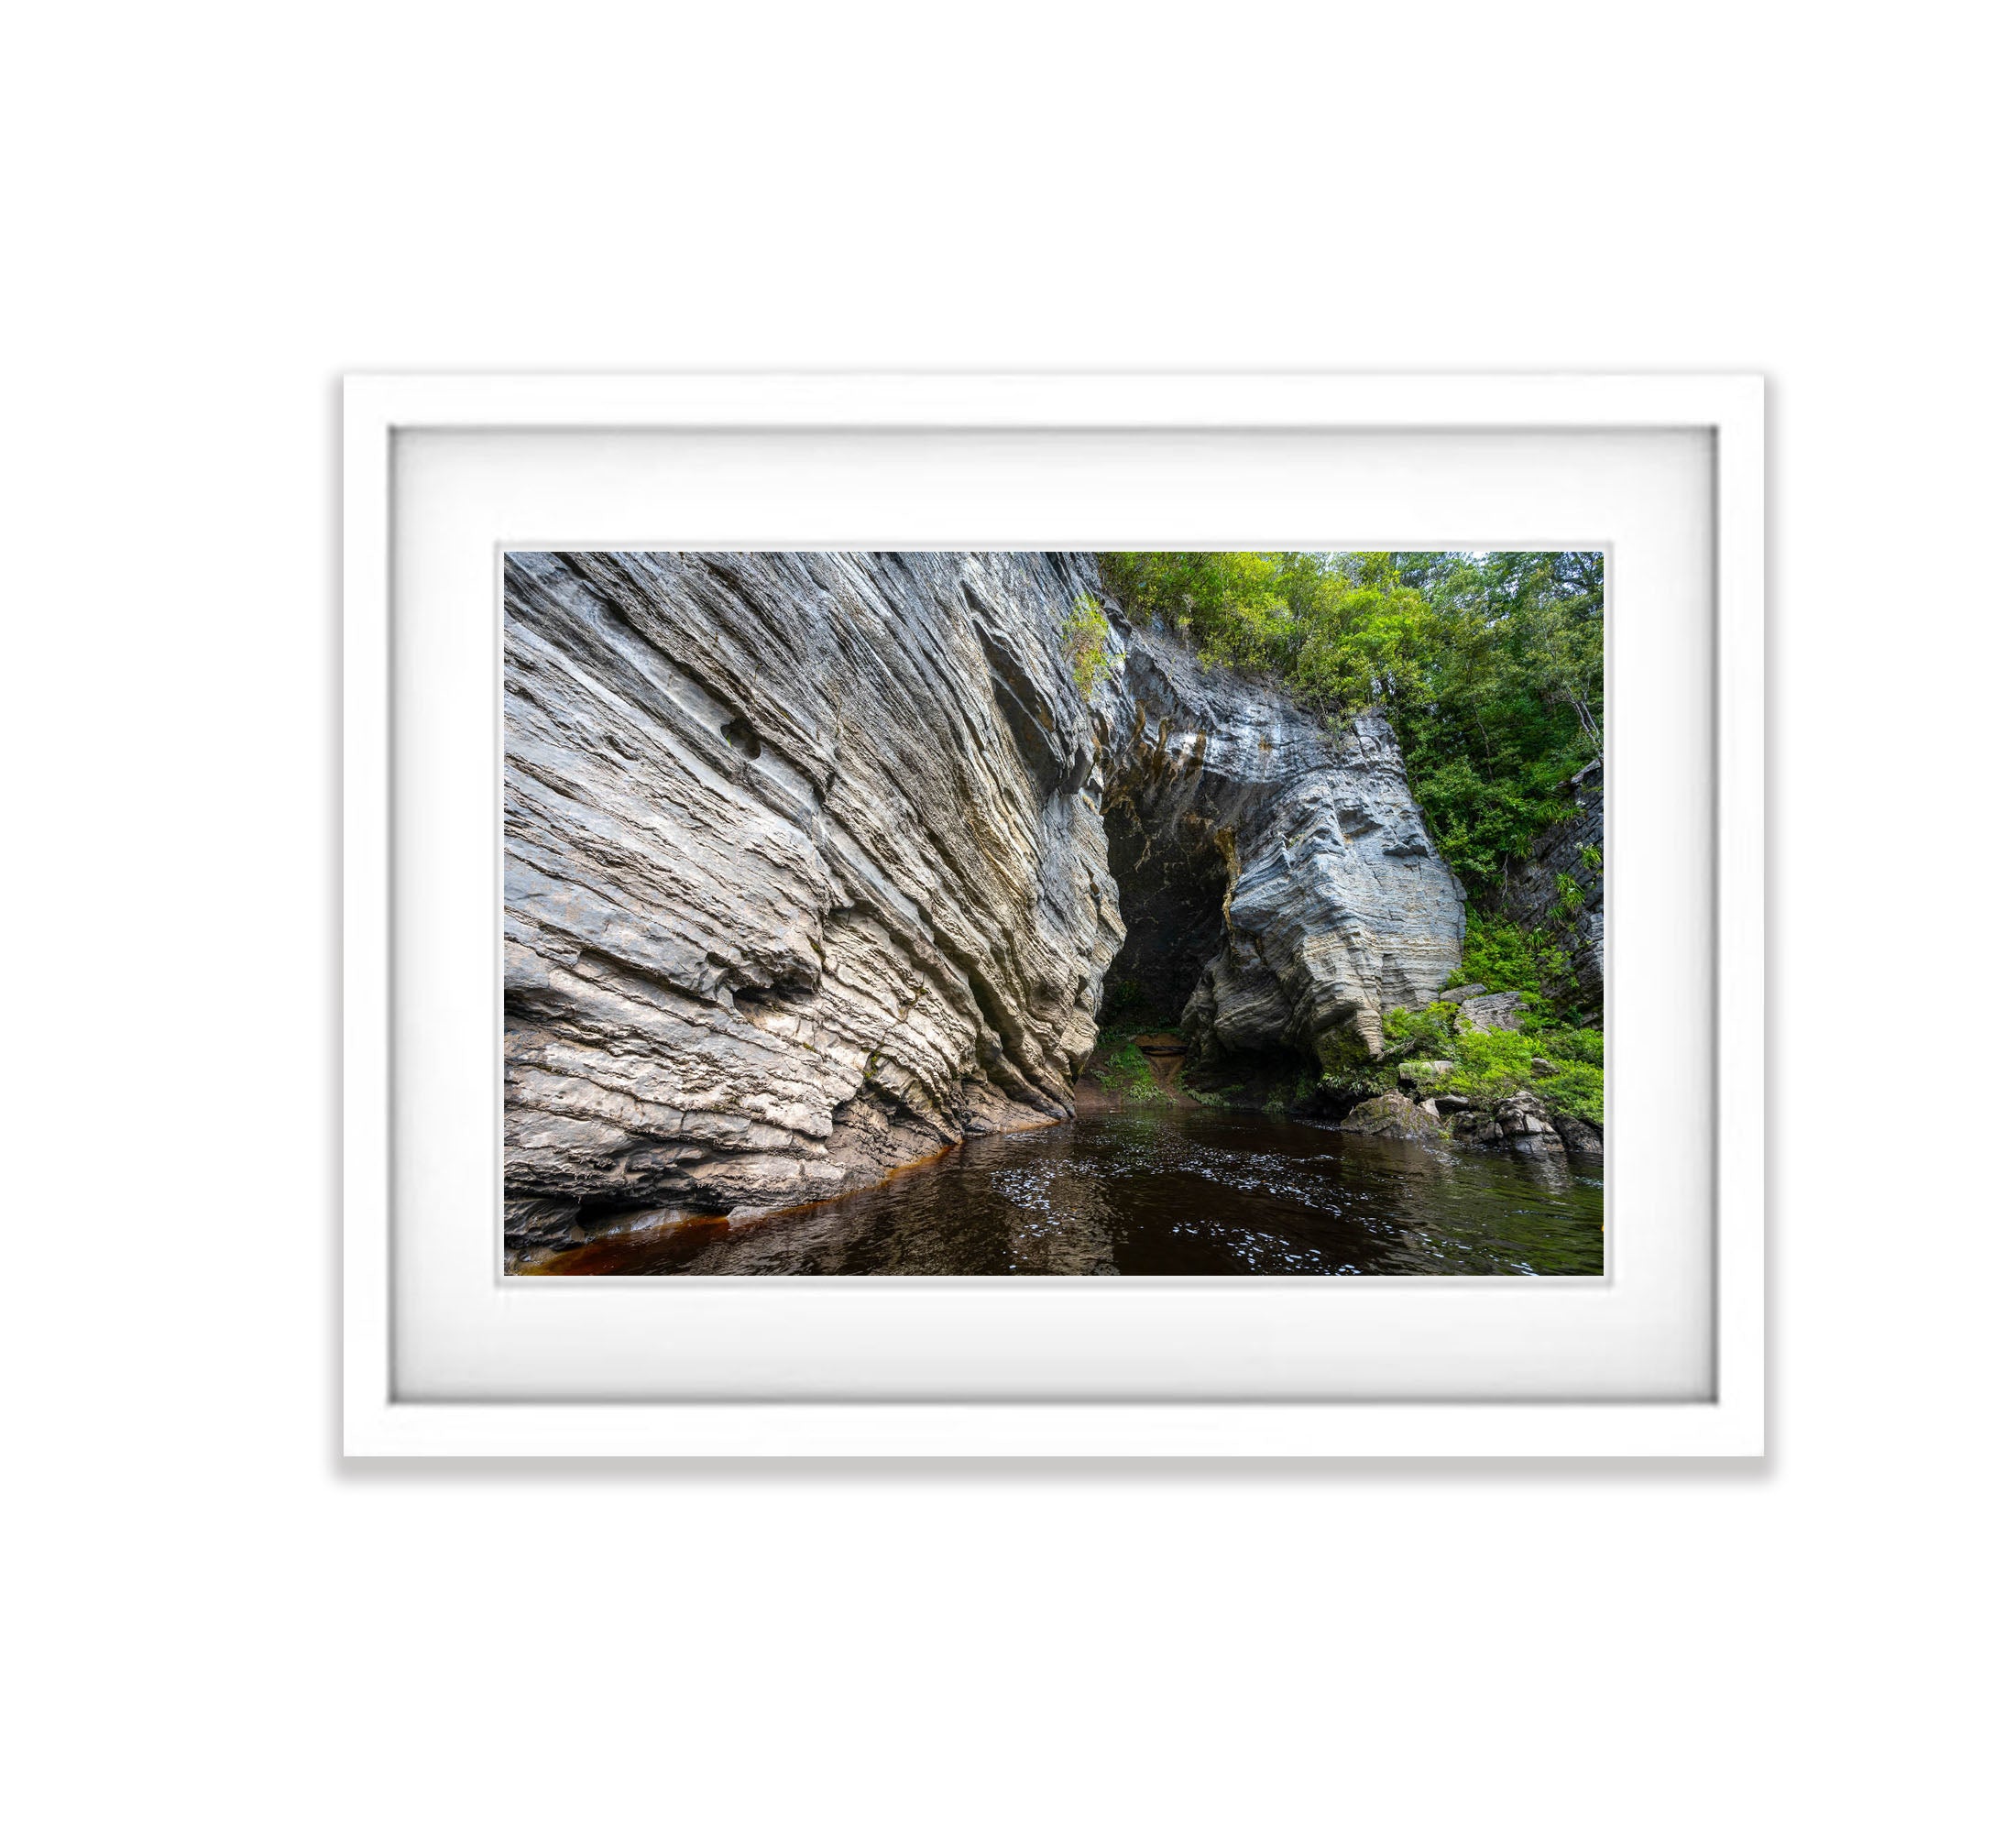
(1165, 1191)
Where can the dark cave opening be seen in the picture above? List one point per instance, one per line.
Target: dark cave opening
(1172, 882)
(1172, 899)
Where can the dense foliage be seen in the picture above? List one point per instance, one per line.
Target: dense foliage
(1501, 957)
(1488, 665)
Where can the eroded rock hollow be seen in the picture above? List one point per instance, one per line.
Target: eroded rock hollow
(810, 867)
(1276, 877)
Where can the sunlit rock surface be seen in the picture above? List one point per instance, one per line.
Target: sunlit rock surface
(799, 882)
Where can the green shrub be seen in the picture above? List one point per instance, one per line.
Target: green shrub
(1205, 1097)
(1127, 1073)
(1575, 1046)
(1085, 633)
(1507, 958)
(1421, 1034)
(1490, 1065)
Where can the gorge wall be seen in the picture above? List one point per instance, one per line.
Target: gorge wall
(810, 867)
(1316, 900)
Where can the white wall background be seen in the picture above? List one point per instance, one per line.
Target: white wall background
(214, 211)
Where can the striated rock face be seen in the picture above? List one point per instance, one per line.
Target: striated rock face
(1283, 869)
(810, 869)
(1491, 1012)
(1533, 892)
(799, 880)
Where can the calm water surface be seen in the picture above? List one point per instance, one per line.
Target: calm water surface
(1196, 1191)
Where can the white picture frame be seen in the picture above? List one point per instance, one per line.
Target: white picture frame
(1721, 1415)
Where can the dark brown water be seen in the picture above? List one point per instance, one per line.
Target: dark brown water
(1165, 1191)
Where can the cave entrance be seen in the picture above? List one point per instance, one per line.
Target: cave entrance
(1172, 898)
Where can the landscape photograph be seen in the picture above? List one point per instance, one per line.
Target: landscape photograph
(981, 914)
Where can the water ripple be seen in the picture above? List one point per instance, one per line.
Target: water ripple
(1175, 1192)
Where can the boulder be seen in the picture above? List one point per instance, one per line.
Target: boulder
(1581, 1139)
(1459, 994)
(1491, 1012)
(1523, 1126)
(1542, 1066)
(1520, 1123)
(1392, 1116)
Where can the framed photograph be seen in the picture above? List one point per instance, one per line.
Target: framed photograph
(1054, 915)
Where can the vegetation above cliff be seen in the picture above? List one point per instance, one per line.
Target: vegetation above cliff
(1489, 667)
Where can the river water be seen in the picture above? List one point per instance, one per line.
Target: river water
(1164, 1191)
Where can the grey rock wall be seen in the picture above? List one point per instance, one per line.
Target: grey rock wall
(799, 882)
(1334, 906)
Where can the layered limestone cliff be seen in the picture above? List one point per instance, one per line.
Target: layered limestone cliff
(1275, 876)
(810, 867)
(799, 884)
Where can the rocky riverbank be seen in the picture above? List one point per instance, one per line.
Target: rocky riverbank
(1521, 1121)
(1502, 1096)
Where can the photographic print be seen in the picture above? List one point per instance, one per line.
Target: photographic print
(1048, 914)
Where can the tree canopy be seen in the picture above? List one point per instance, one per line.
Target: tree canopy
(1488, 665)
